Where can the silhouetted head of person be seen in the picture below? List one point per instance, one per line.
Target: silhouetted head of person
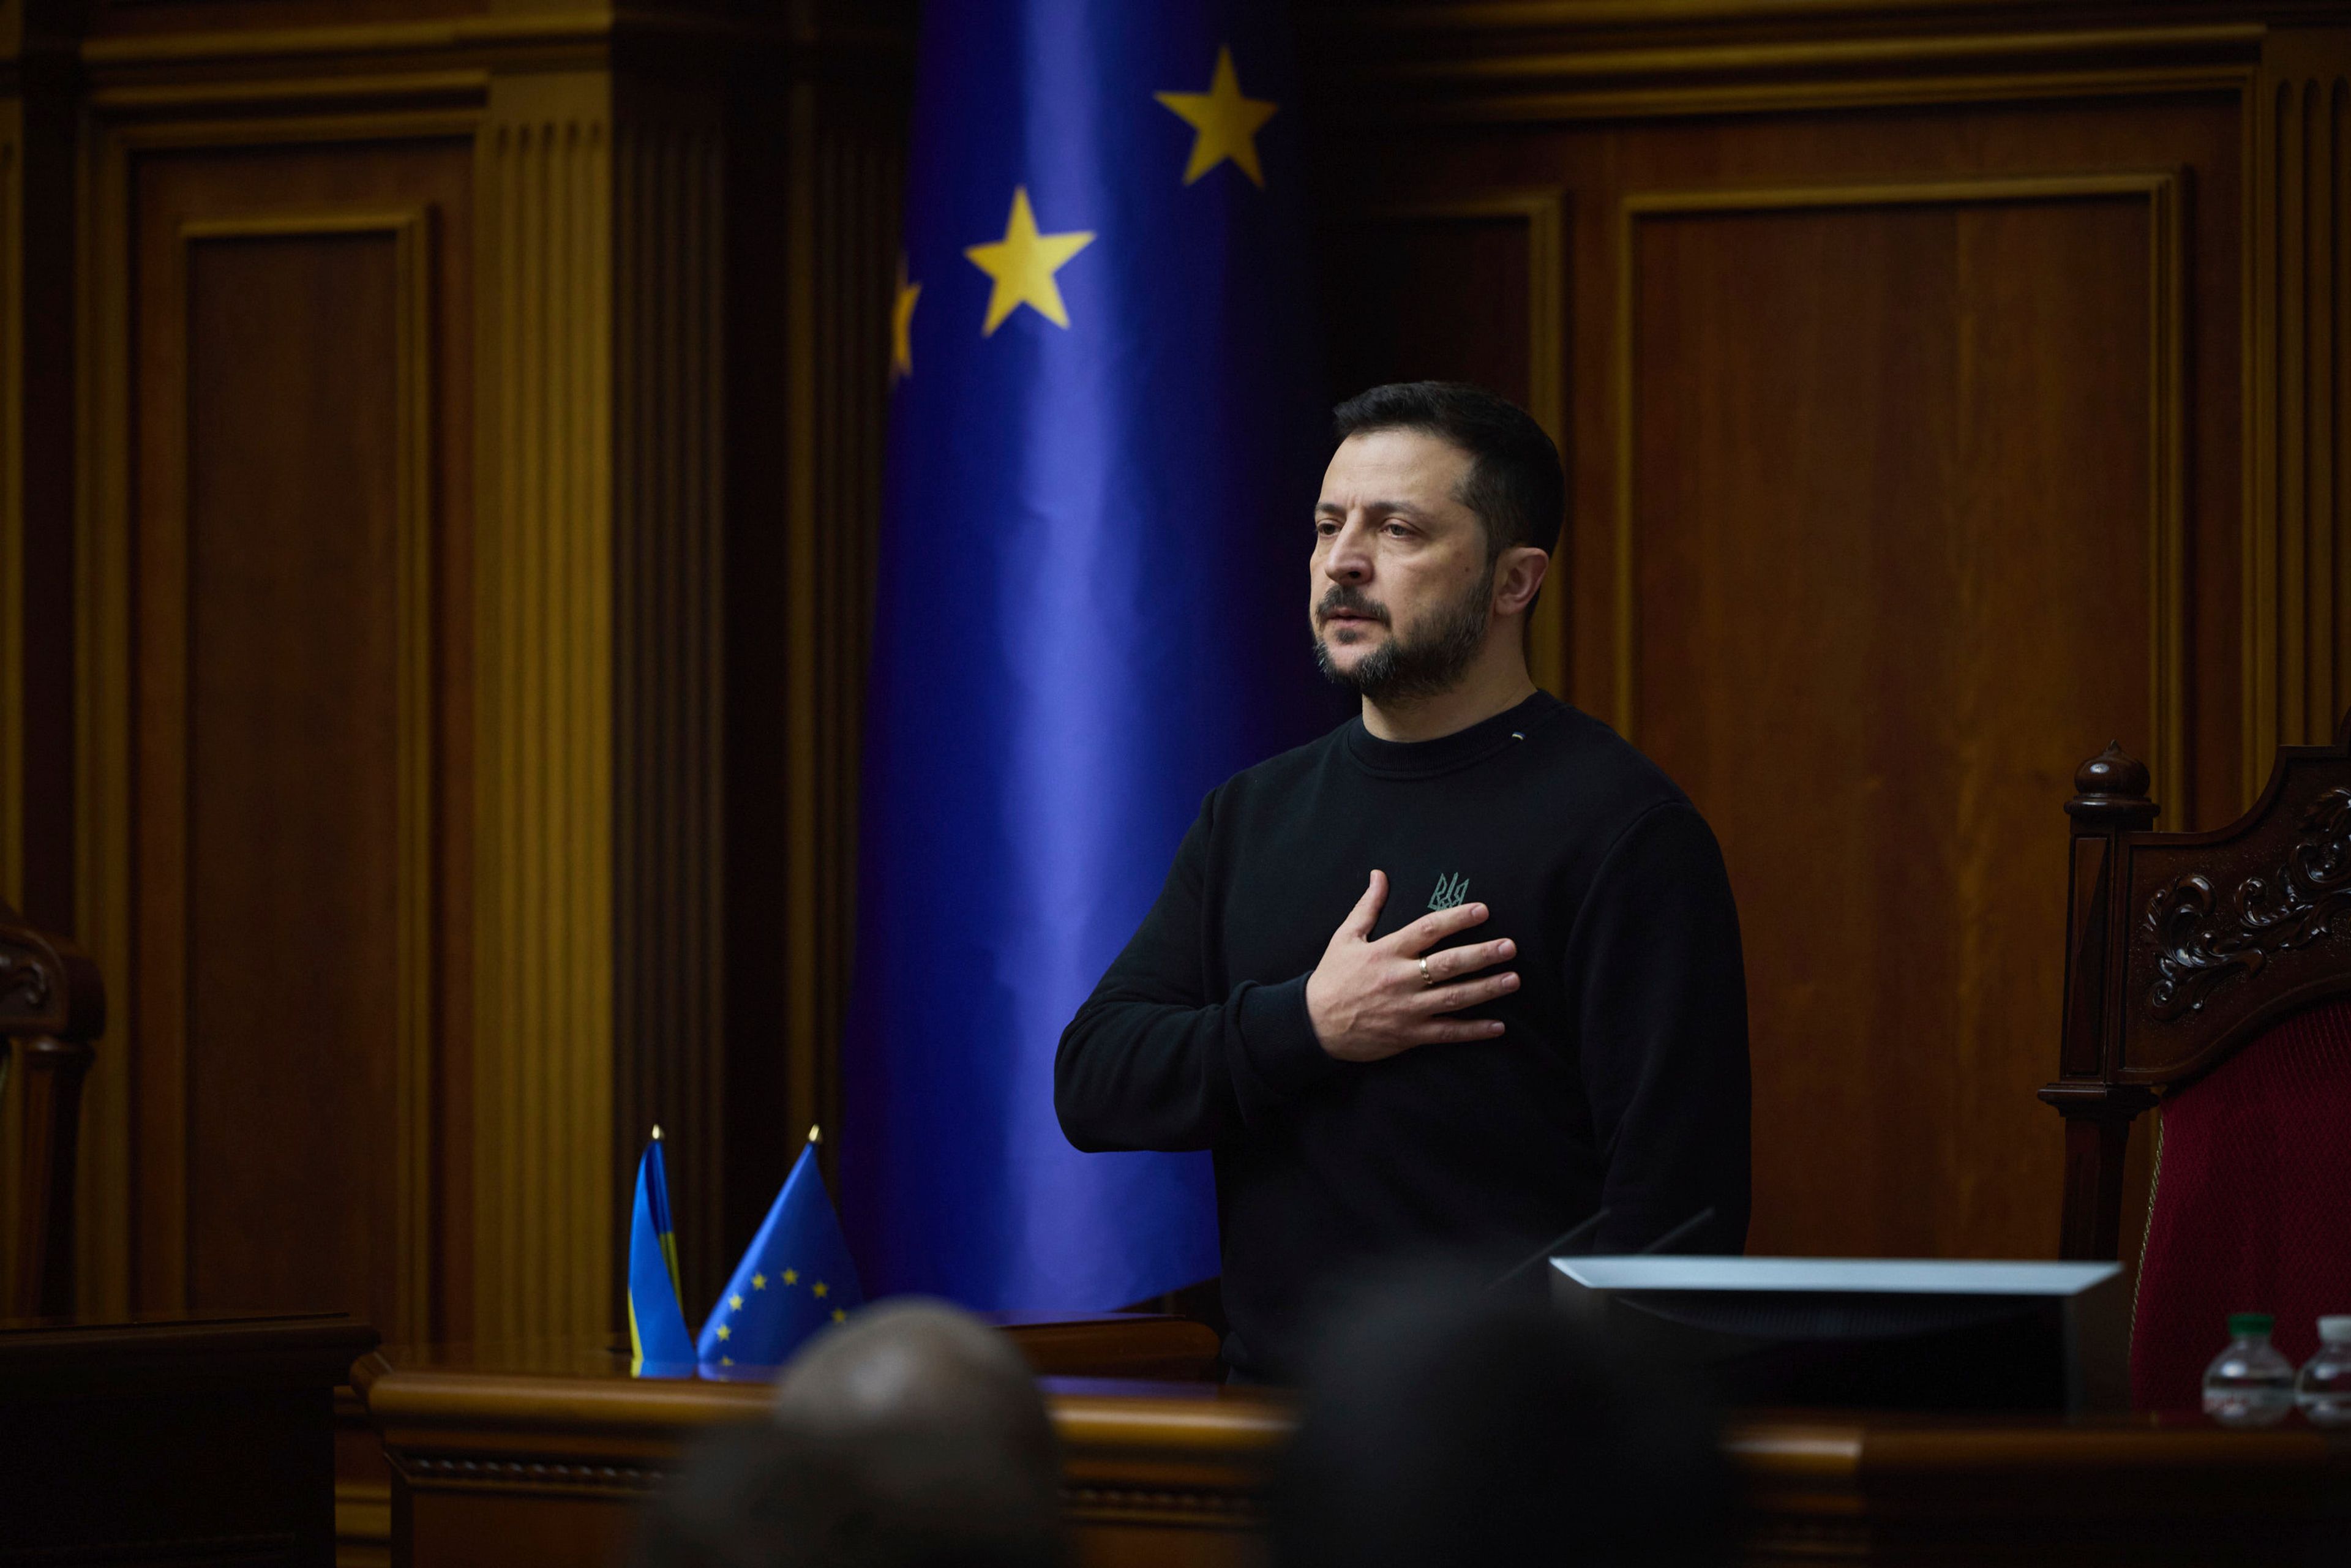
(912, 1436)
(915, 1365)
(1443, 1425)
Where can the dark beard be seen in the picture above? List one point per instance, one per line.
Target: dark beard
(1402, 670)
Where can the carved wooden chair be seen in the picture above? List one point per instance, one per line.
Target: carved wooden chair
(2210, 975)
(51, 1007)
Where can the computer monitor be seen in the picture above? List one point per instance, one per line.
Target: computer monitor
(1915, 1334)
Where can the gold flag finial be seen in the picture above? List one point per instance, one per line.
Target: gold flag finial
(813, 1135)
(656, 1131)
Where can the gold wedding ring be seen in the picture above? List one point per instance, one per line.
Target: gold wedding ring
(1427, 978)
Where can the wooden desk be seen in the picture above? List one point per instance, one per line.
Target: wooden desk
(536, 1455)
(203, 1439)
(539, 1453)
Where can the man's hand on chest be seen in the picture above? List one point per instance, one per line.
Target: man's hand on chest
(1372, 998)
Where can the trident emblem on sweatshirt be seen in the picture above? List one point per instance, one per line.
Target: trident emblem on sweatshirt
(1450, 892)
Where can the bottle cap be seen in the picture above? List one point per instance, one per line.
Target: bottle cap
(2335, 1330)
(2244, 1323)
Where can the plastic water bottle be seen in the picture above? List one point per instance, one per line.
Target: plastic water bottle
(2249, 1384)
(2324, 1387)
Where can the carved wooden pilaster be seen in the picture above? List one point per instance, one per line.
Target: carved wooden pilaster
(543, 1179)
(599, 1002)
(669, 628)
(2298, 410)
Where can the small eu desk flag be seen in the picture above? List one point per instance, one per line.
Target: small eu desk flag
(1106, 426)
(659, 1345)
(795, 1278)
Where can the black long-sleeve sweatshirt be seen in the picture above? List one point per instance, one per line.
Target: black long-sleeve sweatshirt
(1619, 1081)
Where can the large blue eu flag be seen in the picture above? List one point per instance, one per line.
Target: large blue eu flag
(1106, 426)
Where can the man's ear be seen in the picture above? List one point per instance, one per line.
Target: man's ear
(1518, 578)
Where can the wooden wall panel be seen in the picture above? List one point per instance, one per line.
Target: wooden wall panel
(300, 462)
(2297, 577)
(1377, 288)
(289, 669)
(1861, 642)
(1903, 410)
(1507, 333)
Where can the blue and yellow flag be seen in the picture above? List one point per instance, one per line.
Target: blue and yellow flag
(659, 1345)
(1107, 423)
(795, 1278)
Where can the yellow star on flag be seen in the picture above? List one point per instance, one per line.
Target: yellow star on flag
(1226, 122)
(725, 1333)
(902, 325)
(1023, 263)
(838, 1316)
(819, 1287)
(726, 1361)
(792, 1277)
(736, 1302)
(758, 1282)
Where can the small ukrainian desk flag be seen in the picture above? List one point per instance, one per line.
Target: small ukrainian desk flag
(659, 1345)
(795, 1278)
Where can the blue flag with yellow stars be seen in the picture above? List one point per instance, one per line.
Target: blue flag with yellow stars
(659, 1345)
(795, 1278)
(1106, 429)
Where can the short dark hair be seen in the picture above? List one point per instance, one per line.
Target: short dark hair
(1516, 485)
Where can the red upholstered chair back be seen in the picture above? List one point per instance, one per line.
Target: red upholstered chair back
(2252, 1208)
(2211, 972)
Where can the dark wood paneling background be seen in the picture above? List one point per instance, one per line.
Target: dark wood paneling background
(429, 710)
(1435, 287)
(1905, 466)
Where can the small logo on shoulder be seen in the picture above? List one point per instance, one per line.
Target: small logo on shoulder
(1450, 892)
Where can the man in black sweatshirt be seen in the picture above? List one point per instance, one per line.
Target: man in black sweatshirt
(1455, 976)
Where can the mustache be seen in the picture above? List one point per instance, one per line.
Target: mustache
(1346, 596)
